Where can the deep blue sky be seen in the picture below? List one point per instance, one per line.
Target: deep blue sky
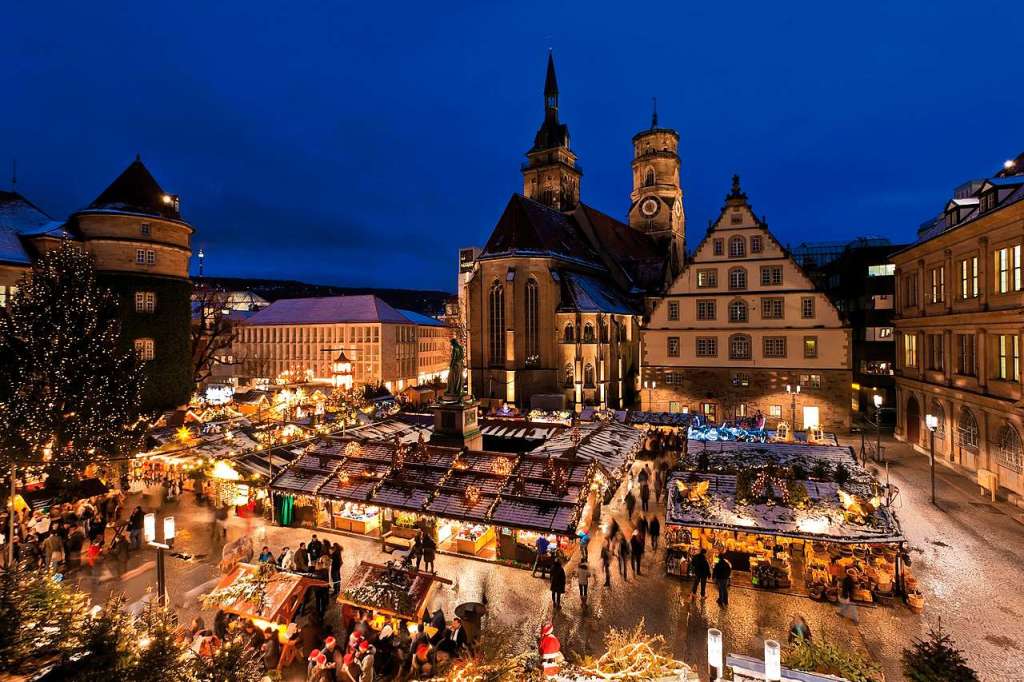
(363, 143)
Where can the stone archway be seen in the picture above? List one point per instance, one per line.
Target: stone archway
(913, 421)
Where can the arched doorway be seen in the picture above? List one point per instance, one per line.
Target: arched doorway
(913, 421)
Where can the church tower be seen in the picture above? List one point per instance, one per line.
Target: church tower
(656, 205)
(550, 175)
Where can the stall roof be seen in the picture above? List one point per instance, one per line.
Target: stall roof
(610, 444)
(283, 594)
(369, 579)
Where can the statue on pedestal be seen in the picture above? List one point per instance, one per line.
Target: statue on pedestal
(455, 365)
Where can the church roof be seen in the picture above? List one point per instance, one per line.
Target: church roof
(528, 228)
(136, 191)
(588, 294)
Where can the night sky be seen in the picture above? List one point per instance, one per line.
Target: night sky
(363, 143)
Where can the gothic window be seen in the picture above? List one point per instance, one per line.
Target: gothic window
(570, 333)
(604, 331)
(967, 430)
(588, 376)
(496, 330)
(738, 311)
(738, 278)
(588, 333)
(940, 414)
(737, 247)
(532, 319)
(1010, 452)
(649, 178)
(569, 376)
(739, 347)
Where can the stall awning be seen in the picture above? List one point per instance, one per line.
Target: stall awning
(42, 498)
(283, 594)
(612, 446)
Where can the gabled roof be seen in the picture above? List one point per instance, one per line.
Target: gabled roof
(328, 310)
(136, 191)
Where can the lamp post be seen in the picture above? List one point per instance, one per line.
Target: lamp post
(772, 661)
(149, 530)
(792, 393)
(650, 386)
(932, 422)
(877, 398)
(714, 655)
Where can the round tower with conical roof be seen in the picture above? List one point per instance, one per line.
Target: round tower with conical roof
(656, 203)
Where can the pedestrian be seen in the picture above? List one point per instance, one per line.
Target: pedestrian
(336, 562)
(315, 549)
(557, 582)
(302, 558)
(584, 576)
(641, 525)
(799, 631)
(659, 485)
(701, 571)
(847, 609)
(119, 549)
(645, 496)
(429, 551)
(416, 551)
(623, 556)
(644, 476)
(266, 556)
(721, 574)
(636, 551)
(271, 649)
(286, 560)
(630, 505)
(606, 561)
(135, 527)
(613, 529)
(53, 550)
(654, 530)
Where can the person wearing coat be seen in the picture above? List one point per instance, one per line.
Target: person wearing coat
(636, 551)
(645, 496)
(654, 530)
(557, 583)
(721, 574)
(584, 576)
(701, 570)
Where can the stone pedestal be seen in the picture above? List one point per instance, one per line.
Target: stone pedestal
(456, 424)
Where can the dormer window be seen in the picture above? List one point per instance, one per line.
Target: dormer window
(952, 218)
(988, 200)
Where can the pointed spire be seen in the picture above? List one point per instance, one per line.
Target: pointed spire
(551, 83)
(654, 113)
(138, 157)
(736, 193)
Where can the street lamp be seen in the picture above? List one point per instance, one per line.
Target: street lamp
(650, 386)
(772, 661)
(149, 532)
(877, 398)
(793, 393)
(714, 655)
(932, 422)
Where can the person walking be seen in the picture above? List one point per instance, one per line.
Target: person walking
(53, 550)
(654, 530)
(584, 576)
(119, 550)
(641, 526)
(701, 570)
(847, 609)
(645, 496)
(429, 552)
(557, 582)
(630, 505)
(416, 551)
(336, 562)
(623, 556)
(135, 527)
(659, 484)
(721, 574)
(644, 476)
(606, 561)
(636, 551)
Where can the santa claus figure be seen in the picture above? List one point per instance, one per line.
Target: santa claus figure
(550, 651)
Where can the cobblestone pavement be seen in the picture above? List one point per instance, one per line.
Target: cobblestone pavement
(965, 554)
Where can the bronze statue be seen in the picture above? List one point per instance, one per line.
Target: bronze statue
(455, 385)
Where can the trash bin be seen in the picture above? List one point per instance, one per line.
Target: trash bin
(471, 613)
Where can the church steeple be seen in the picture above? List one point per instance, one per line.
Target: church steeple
(550, 175)
(656, 203)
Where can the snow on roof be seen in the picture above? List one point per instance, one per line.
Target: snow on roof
(417, 318)
(328, 310)
(610, 444)
(18, 216)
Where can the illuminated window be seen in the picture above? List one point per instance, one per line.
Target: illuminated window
(145, 301)
(775, 410)
(910, 350)
(145, 349)
(496, 331)
(532, 319)
(1008, 360)
(707, 279)
(938, 284)
(881, 270)
(810, 346)
(570, 333)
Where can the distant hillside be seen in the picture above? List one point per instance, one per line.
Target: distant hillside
(425, 302)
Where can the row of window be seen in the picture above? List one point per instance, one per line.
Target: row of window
(707, 278)
(772, 308)
(588, 376)
(309, 334)
(1006, 356)
(740, 347)
(1008, 444)
(1008, 276)
(738, 244)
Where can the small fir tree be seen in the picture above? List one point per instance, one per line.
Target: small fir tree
(936, 659)
(66, 385)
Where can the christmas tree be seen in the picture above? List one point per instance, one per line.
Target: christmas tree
(68, 392)
(936, 659)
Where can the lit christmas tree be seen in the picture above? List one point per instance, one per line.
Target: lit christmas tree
(68, 392)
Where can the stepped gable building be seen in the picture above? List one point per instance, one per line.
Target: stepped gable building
(959, 320)
(142, 247)
(553, 302)
(741, 323)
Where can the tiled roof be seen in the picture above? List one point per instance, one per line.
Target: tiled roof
(328, 310)
(136, 191)
(417, 318)
(18, 216)
(590, 295)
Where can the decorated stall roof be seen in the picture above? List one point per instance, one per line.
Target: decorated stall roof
(386, 590)
(611, 445)
(283, 594)
(660, 418)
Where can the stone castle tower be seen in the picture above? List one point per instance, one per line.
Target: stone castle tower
(550, 175)
(656, 203)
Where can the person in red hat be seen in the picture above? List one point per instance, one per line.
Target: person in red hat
(347, 669)
(550, 651)
(311, 664)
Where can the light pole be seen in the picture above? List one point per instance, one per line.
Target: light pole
(932, 422)
(792, 393)
(149, 530)
(650, 386)
(877, 398)
(714, 655)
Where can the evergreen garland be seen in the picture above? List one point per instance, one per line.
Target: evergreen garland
(936, 659)
(66, 387)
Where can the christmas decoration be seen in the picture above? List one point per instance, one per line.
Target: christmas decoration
(502, 466)
(833, 659)
(632, 656)
(66, 381)
(472, 495)
(936, 659)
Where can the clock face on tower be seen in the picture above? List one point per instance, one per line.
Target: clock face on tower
(677, 209)
(649, 207)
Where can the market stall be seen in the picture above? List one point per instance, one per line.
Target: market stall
(269, 598)
(391, 593)
(789, 517)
